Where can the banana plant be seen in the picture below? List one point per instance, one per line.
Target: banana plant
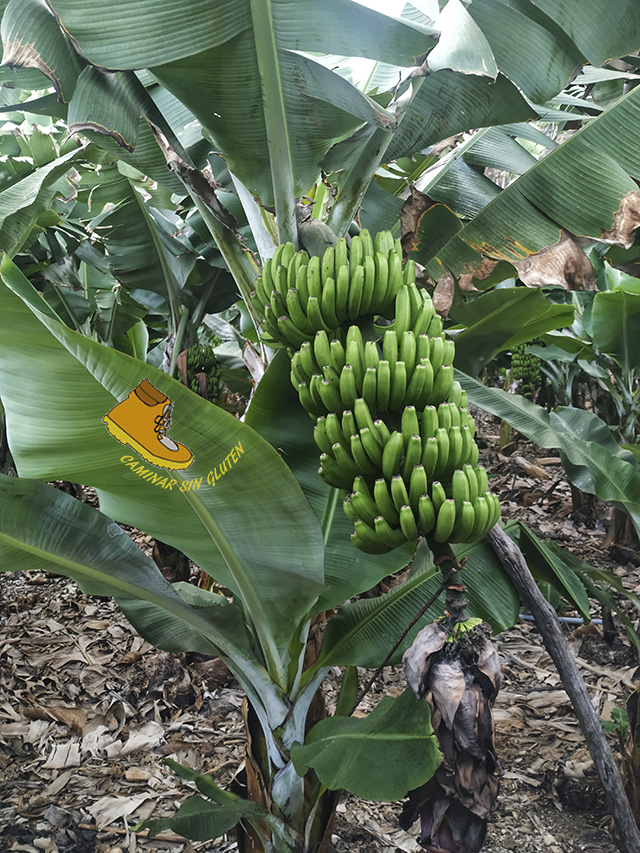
(136, 79)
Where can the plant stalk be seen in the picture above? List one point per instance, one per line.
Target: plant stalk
(554, 640)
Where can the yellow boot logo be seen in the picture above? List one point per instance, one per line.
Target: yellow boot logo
(141, 421)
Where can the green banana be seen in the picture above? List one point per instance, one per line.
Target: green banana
(369, 288)
(314, 278)
(436, 353)
(430, 422)
(394, 263)
(328, 267)
(398, 385)
(430, 455)
(320, 435)
(399, 494)
(349, 388)
(371, 446)
(455, 396)
(392, 456)
(415, 386)
(407, 349)
(345, 461)
(382, 432)
(362, 501)
(289, 332)
(455, 448)
(383, 385)
(349, 426)
(359, 455)
(334, 473)
(402, 320)
(322, 348)
(438, 494)
(482, 479)
(296, 313)
(409, 423)
(354, 355)
(301, 284)
(328, 303)
(412, 456)
(444, 416)
(435, 326)
(369, 386)
(459, 488)
(341, 253)
(382, 282)
(442, 382)
(307, 359)
(342, 292)
(367, 540)
(481, 517)
(367, 243)
(463, 527)
(390, 348)
(418, 485)
(333, 429)
(330, 396)
(385, 505)
(338, 356)
(315, 316)
(390, 536)
(362, 414)
(409, 272)
(472, 480)
(426, 514)
(445, 521)
(356, 251)
(371, 355)
(356, 292)
(408, 523)
(442, 440)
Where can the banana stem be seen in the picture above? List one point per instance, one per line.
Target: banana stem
(446, 576)
(455, 607)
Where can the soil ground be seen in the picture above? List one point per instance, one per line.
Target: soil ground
(88, 711)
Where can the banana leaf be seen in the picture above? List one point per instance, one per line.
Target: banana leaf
(275, 412)
(592, 459)
(251, 528)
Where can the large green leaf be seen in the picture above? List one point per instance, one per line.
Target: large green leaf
(200, 820)
(599, 162)
(592, 459)
(379, 757)
(250, 527)
(24, 202)
(615, 321)
(599, 30)
(31, 38)
(448, 102)
(275, 412)
(43, 528)
(502, 319)
(363, 632)
(529, 50)
(295, 107)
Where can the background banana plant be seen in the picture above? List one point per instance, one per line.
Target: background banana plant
(251, 108)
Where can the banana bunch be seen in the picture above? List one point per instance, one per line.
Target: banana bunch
(298, 295)
(525, 368)
(201, 359)
(392, 425)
